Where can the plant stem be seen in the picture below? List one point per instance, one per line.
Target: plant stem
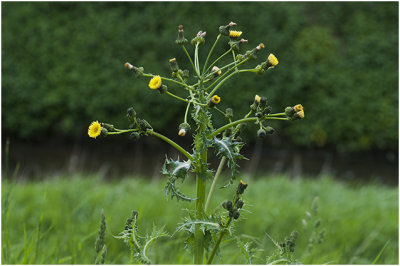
(278, 114)
(214, 251)
(172, 143)
(225, 79)
(277, 118)
(214, 184)
(198, 234)
(234, 123)
(219, 58)
(186, 113)
(176, 97)
(190, 59)
(209, 54)
(196, 61)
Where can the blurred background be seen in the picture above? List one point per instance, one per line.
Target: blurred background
(63, 67)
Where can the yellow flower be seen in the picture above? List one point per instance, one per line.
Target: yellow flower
(94, 129)
(215, 99)
(257, 99)
(273, 60)
(298, 107)
(234, 33)
(300, 114)
(155, 83)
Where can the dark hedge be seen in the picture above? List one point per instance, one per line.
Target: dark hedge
(62, 66)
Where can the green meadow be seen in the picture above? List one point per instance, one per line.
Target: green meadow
(56, 221)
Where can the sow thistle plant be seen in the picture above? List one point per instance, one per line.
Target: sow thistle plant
(205, 228)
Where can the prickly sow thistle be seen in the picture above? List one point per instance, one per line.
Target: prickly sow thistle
(202, 102)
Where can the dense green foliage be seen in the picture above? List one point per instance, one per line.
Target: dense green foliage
(63, 66)
(57, 221)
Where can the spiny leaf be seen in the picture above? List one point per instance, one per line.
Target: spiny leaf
(171, 190)
(176, 168)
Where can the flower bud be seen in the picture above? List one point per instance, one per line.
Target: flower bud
(183, 129)
(109, 127)
(131, 114)
(261, 133)
(239, 204)
(259, 114)
(144, 125)
(241, 187)
(103, 132)
(174, 65)
(181, 40)
(253, 107)
(269, 130)
(228, 132)
(227, 205)
(216, 71)
(199, 39)
(235, 215)
(163, 89)
(257, 99)
(289, 111)
(235, 45)
(137, 70)
(229, 113)
(272, 61)
(224, 30)
(135, 136)
(182, 132)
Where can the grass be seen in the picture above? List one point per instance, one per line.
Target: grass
(56, 221)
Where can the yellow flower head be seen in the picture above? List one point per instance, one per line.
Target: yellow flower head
(273, 60)
(298, 107)
(172, 60)
(155, 83)
(215, 99)
(300, 114)
(94, 129)
(234, 33)
(257, 99)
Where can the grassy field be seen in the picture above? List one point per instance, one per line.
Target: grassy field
(56, 221)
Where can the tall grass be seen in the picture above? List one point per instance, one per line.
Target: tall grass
(56, 221)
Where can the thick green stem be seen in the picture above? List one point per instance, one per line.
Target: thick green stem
(234, 123)
(214, 184)
(172, 143)
(201, 191)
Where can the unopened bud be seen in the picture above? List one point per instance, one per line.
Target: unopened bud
(181, 40)
(241, 187)
(289, 111)
(261, 133)
(182, 132)
(216, 71)
(227, 205)
(257, 99)
(229, 113)
(174, 65)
